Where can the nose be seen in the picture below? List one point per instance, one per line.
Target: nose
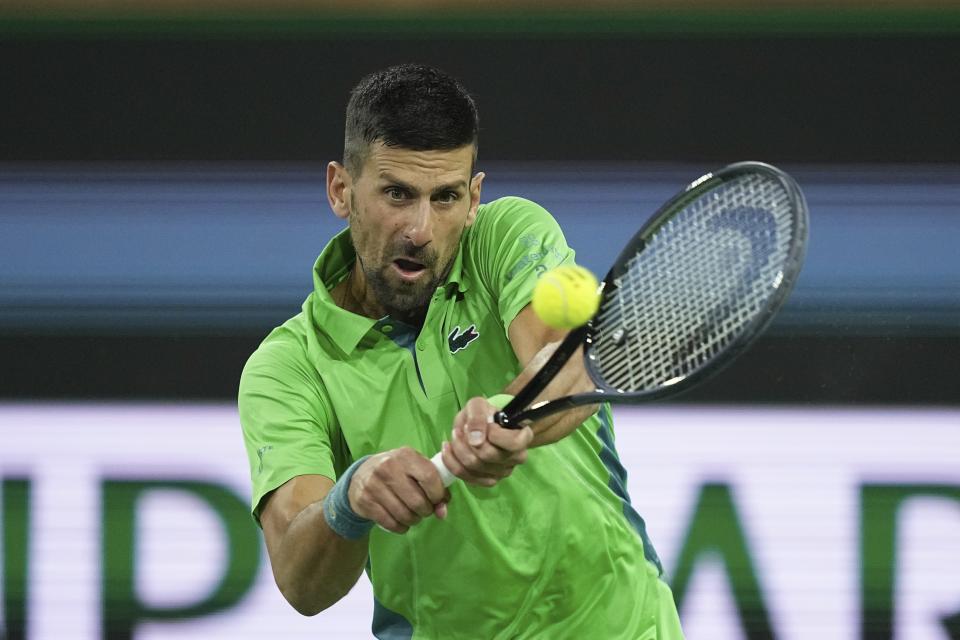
(419, 229)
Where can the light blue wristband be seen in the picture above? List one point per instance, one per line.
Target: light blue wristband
(336, 508)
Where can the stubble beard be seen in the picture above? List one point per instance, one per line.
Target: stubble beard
(405, 301)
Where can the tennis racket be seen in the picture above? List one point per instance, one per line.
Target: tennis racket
(692, 289)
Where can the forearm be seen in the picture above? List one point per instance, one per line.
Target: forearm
(313, 566)
(571, 379)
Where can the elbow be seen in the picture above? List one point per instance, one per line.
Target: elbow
(308, 603)
(303, 605)
(305, 609)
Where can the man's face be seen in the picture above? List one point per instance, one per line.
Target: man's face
(407, 212)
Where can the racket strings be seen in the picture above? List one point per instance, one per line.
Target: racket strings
(701, 280)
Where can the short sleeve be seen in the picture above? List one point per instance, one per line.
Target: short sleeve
(288, 429)
(514, 241)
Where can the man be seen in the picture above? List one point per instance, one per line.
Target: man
(420, 312)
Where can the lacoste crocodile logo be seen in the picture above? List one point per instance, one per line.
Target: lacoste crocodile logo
(457, 340)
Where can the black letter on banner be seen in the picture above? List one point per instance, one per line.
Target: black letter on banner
(16, 553)
(715, 531)
(122, 608)
(878, 554)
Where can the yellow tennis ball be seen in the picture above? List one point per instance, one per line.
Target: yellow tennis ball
(566, 297)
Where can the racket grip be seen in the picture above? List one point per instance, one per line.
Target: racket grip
(445, 474)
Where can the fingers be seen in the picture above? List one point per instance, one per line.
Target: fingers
(468, 470)
(474, 420)
(481, 451)
(397, 489)
(512, 440)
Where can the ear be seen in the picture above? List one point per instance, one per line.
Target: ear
(339, 185)
(475, 185)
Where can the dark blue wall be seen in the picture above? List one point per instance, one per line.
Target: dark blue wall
(230, 249)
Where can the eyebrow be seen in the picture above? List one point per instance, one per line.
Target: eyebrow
(453, 186)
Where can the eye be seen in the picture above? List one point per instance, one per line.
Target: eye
(447, 197)
(395, 193)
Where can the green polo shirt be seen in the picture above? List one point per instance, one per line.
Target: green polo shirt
(556, 550)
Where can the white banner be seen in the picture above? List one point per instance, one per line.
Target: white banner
(796, 522)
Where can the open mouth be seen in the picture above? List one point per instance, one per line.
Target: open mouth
(408, 268)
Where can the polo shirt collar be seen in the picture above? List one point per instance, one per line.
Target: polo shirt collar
(345, 328)
(457, 281)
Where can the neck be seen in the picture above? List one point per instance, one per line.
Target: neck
(353, 295)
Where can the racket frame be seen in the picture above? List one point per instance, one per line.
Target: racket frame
(513, 414)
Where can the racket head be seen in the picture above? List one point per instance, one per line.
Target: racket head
(700, 280)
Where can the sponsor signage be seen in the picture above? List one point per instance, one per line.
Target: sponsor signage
(131, 521)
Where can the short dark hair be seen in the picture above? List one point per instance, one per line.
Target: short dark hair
(411, 106)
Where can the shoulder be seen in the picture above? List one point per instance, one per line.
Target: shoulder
(510, 208)
(281, 359)
(281, 386)
(511, 242)
(510, 221)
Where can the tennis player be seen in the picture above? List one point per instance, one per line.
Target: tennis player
(418, 328)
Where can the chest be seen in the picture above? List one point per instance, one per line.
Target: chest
(403, 387)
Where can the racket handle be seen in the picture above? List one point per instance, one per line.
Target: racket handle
(445, 474)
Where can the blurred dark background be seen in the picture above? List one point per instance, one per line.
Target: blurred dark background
(161, 196)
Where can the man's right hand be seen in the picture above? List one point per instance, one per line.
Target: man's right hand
(397, 489)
